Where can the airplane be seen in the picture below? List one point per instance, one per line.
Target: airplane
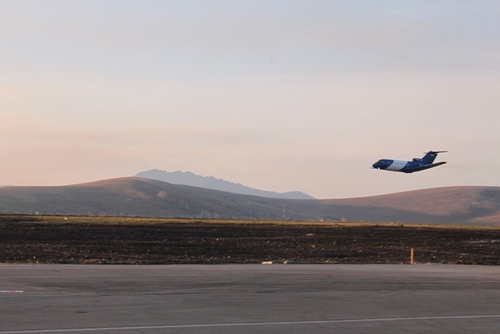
(416, 165)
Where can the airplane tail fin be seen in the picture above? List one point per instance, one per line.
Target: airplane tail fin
(430, 156)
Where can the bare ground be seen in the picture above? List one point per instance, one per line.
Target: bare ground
(23, 240)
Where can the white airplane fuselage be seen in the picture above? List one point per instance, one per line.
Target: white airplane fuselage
(397, 165)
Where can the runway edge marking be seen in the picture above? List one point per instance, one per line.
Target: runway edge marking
(277, 323)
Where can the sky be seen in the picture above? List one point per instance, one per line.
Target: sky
(279, 95)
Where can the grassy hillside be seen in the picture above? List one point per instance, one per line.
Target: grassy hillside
(474, 204)
(150, 198)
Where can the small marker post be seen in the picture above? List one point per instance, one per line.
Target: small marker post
(411, 256)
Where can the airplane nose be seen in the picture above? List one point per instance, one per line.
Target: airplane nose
(378, 164)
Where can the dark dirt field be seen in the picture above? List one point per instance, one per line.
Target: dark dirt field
(23, 240)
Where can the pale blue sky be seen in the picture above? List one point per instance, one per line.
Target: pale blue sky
(276, 95)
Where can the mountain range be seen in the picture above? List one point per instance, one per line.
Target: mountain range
(210, 182)
(133, 196)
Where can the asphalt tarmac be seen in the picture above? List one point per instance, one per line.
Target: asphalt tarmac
(249, 299)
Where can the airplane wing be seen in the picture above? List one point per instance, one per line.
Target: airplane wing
(419, 168)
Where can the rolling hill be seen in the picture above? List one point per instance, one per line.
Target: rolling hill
(134, 196)
(210, 182)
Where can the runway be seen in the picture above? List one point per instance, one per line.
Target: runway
(249, 299)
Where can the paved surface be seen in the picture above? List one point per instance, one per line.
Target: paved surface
(249, 299)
